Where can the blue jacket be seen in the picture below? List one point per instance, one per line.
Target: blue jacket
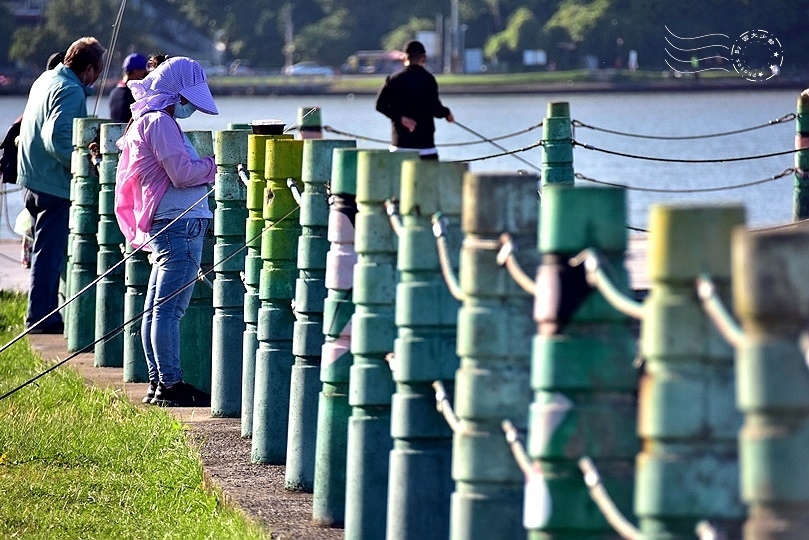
(46, 134)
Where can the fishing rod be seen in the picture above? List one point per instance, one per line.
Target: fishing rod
(108, 60)
(486, 139)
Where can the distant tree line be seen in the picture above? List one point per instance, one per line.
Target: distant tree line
(268, 33)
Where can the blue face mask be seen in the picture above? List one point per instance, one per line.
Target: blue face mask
(183, 111)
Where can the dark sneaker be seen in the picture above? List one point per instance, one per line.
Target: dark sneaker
(57, 327)
(181, 394)
(150, 393)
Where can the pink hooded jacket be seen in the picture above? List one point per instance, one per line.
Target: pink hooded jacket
(152, 149)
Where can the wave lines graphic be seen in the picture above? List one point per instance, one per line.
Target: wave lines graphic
(692, 64)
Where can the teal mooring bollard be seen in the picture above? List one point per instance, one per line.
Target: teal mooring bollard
(83, 243)
(109, 289)
(310, 293)
(228, 289)
(687, 470)
(420, 478)
(279, 247)
(557, 145)
(328, 501)
(494, 344)
(136, 280)
(196, 326)
(801, 196)
(371, 386)
(771, 298)
(582, 372)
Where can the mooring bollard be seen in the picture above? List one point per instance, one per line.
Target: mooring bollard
(310, 123)
(494, 344)
(420, 481)
(109, 351)
(582, 375)
(801, 197)
(310, 293)
(557, 145)
(229, 222)
(328, 501)
(771, 299)
(374, 329)
(136, 280)
(83, 243)
(196, 326)
(279, 247)
(688, 468)
(256, 151)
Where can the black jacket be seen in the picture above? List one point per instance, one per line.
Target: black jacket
(411, 92)
(120, 99)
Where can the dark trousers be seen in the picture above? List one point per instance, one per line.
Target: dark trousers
(50, 216)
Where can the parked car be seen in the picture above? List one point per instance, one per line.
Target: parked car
(308, 69)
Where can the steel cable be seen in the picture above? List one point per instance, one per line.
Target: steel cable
(786, 118)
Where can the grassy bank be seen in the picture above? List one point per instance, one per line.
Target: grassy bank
(79, 462)
(529, 82)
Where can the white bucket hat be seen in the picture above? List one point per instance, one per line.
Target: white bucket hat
(177, 76)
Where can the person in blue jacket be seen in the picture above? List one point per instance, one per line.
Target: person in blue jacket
(43, 170)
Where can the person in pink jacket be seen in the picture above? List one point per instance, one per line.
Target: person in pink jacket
(161, 203)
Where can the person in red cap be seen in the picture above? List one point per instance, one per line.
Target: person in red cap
(121, 99)
(410, 99)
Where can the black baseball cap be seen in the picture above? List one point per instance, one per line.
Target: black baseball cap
(414, 48)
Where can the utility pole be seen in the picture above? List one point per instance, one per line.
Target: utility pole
(454, 37)
(289, 34)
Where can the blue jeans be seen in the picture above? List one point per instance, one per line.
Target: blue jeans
(50, 216)
(176, 255)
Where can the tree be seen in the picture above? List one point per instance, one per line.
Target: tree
(397, 39)
(67, 20)
(522, 32)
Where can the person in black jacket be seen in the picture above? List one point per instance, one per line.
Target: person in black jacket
(410, 99)
(121, 99)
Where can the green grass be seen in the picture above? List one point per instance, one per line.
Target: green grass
(80, 463)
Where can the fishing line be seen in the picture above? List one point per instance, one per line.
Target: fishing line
(108, 61)
(298, 122)
(336, 131)
(115, 331)
(476, 134)
(102, 276)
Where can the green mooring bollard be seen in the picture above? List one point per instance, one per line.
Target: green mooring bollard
(420, 482)
(801, 197)
(688, 469)
(80, 320)
(771, 299)
(494, 344)
(136, 280)
(228, 289)
(279, 247)
(557, 145)
(310, 293)
(196, 326)
(374, 329)
(582, 375)
(109, 351)
(310, 123)
(328, 501)
(256, 151)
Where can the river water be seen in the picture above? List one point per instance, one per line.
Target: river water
(670, 114)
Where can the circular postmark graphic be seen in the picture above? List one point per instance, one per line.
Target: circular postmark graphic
(757, 55)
